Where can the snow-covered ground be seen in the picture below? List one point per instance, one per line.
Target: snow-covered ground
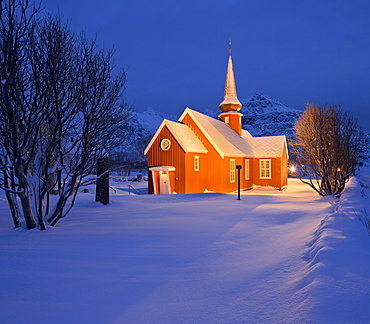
(273, 257)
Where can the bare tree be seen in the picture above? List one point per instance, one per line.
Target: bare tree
(99, 118)
(19, 116)
(52, 56)
(61, 108)
(326, 148)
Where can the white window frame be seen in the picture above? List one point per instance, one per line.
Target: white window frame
(246, 169)
(196, 163)
(232, 170)
(265, 171)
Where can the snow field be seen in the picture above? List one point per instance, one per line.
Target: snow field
(273, 257)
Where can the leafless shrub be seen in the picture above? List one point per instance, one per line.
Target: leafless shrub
(326, 148)
(364, 218)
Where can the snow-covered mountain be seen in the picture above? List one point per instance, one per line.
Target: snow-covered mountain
(150, 119)
(138, 133)
(264, 115)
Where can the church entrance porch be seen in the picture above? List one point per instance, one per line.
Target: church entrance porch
(162, 178)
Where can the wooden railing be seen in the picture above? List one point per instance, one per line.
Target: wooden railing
(131, 187)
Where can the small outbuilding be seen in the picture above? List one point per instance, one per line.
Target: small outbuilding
(199, 153)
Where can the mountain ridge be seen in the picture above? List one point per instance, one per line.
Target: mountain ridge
(262, 116)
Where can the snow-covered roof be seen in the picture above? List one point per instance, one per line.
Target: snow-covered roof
(228, 143)
(246, 134)
(268, 146)
(221, 136)
(183, 135)
(224, 139)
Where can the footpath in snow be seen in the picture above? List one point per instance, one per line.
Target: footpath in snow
(273, 257)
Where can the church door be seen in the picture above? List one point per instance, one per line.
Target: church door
(164, 187)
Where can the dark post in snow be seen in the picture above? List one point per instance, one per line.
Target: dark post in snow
(238, 167)
(102, 183)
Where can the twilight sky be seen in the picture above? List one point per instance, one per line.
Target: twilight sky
(175, 51)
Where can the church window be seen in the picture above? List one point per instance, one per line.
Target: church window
(265, 168)
(196, 163)
(232, 170)
(246, 169)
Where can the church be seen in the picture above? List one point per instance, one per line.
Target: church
(199, 153)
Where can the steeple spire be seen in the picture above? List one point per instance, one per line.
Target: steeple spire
(230, 102)
(231, 105)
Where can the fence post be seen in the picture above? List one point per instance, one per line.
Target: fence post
(102, 183)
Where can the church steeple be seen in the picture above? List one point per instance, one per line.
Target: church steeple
(230, 106)
(230, 102)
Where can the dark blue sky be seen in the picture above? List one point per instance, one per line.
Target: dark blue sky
(175, 51)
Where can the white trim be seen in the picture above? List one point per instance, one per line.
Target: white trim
(269, 168)
(230, 113)
(154, 183)
(246, 169)
(163, 147)
(162, 168)
(232, 170)
(196, 162)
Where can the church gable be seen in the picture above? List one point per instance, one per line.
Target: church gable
(219, 134)
(182, 134)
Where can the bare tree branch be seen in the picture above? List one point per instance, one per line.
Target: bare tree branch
(326, 149)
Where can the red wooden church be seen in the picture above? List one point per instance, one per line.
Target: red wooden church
(200, 153)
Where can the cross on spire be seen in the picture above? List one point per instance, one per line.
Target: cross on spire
(230, 102)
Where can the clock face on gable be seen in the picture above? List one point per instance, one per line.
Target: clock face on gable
(165, 144)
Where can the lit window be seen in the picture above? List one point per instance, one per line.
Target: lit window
(246, 168)
(165, 144)
(265, 169)
(232, 170)
(196, 163)
(227, 119)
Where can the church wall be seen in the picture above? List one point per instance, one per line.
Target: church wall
(214, 173)
(211, 164)
(284, 168)
(247, 183)
(195, 180)
(175, 157)
(209, 176)
(276, 180)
